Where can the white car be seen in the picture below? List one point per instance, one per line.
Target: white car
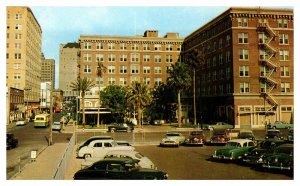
(21, 122)
(99, 148)
(172, 139)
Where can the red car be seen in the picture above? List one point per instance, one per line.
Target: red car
(220, 137)
(195, 138)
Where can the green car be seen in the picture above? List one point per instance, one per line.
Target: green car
(234, 149)
(218, 125)
(280, 125)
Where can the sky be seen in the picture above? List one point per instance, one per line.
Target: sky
(65, 24)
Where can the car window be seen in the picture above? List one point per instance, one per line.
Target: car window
(99, 166)
(138, 155)
(98, 145)
(173, 134)
(115, 167)
(250, 144)
(107, 145)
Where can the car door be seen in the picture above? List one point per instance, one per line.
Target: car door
(97, 149)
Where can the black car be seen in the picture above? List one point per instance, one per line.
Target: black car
(11, 141)
(120, 127)
(256, 155)
(274, 134)
(118, 169)
(246, 135)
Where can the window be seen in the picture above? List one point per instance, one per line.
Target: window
(221, 90)
(285, 87)
(123, 46)
(284, 71)
(111, 57)
(146, 80)
(221, 74)
(111, 69)
(242, 22)
(243, 38)
(135, 69)
(220, 43)
(87, 69)
(99, 57)
(228, 88)
(123, 69)
(134, 79)
(262, 38)
(99, 46)
(284, 55)
(18, 16)
(228, 56)
(283, 39)
(169, 47)
(146, 47)
(17, 76)
(146, 58)
(18, 36)
(228, 72)
(214, 76)
(220, 58)
(179, 48)
(18, 46)
(123, 81)
(215, 46)
(244, 88)
(99, 81)
(208, 76)
(208, 63)
(87, 46)
(134, 46)
(263, 87)
(157, 70)
(18, 56)
(228, 38)
(282, 23)
(157, 81)
(263, 71)
(214, 61)
(111, 46)
(263, 54)
(135, 57)
(157, 58)
(169, 58)
(244, 71)
(18, 27)
(157, 47)
(17, 66)
(243, 54)
(111, 81)
(7, 55)
(87, 57)
(123, 58)
(146, 70)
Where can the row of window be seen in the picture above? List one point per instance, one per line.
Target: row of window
(263, 54)
(17, 16)
(134, 46)
(134, 57)
(281, 23)
(17, 27)
(124, 80)
(262, 38)
(244, 71)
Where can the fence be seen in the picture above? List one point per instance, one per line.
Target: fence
(64, 163)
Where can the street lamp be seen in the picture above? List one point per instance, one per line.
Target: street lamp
(27, 96)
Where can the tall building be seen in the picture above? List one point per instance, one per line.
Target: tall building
(23, 56)
(48, 71)
(246, 75)
(68, 71)
(143, 58)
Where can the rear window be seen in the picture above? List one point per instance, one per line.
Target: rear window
(39, 118)
(173, 134)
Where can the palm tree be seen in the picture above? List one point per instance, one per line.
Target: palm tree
(100, 70)
(139, 96)
(193, 60)
(82, 85)
(181, 80)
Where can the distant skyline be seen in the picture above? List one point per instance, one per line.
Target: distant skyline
(66, 24)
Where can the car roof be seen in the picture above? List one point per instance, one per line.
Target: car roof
(240, 140)
(95, 137)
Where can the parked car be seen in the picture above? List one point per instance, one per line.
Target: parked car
(220, 137)
(280, 125)
(88, 141)
(256, 155)
(11, 141)
(120, 127)
(218, 125)
(172, 139)
(64, 119)
(281, 159)
(21, 122)
(234, 149)
(99, 148)
(119, 169)
(144, 161)
(56, 125)
(290, 136)
(248, 134)
(274, 134)
(123, 143)
(195, 138)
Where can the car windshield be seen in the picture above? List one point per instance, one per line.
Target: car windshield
(138, 155)
(173, 134)
(233, 144)
(196, 133)
(56, 123)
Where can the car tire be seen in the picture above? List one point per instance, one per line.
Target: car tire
(87, 156)
(112, 130)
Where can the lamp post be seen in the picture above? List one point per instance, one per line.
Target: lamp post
(51, 117)
(27, 96)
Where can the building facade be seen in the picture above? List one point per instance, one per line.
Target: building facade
(246, 66)
(48, 71)
(15, 104)
(23, 56)
(68, 70)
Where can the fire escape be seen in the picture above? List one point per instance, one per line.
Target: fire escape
(267, 61)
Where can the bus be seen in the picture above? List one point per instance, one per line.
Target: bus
(42, 120)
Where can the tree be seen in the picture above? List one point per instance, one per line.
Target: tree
(181, 80)
(114, 98)
(100, 70)
(139, 96)
(193, 60)
(82, 85)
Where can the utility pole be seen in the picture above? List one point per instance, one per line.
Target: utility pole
(51, 117)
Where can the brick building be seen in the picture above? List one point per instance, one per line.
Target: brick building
(246, 77)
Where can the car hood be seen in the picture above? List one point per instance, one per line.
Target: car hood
(146, 163)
